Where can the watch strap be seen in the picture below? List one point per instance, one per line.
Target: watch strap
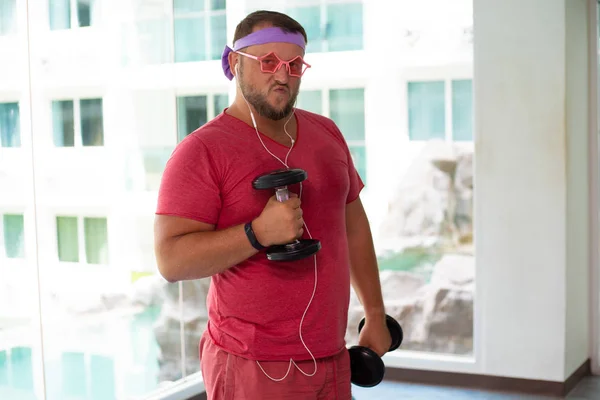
(252, 237)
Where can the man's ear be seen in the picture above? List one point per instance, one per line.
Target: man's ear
(233, 59)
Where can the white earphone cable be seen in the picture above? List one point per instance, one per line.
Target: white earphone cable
(285, 163)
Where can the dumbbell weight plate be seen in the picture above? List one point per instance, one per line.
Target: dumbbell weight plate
(394, 328)
(280, 178)
(294, 251)
(367, 368)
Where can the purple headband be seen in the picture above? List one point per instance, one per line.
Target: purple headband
(267, 35)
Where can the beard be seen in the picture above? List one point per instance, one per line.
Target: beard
(260, 103)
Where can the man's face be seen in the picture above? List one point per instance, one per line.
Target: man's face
(272, 95)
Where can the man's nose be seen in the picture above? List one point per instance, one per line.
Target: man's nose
(282, 74)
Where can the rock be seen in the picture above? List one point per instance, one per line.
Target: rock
(436, 316)
(148, 291)
(167, 329)
(433, 203)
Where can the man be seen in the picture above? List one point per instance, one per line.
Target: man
(276, 329)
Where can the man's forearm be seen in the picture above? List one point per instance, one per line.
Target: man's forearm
(364, 271)
(202, 254)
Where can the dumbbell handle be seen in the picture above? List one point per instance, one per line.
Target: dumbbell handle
(282, 194)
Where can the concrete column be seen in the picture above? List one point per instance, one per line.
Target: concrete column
(531, 177)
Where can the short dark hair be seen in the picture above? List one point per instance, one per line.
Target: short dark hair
(273, 18)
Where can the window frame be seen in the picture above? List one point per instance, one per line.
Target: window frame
(20, 119)
(3, 250)
(210, 103)
(324, 46)
(74, 16)
(326, 112)
(208, 13)
(77, 122)
(81, 237)
(448, 108)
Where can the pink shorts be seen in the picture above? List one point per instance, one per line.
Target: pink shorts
(228, 377)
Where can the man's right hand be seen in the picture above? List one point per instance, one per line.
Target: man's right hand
(279, 222)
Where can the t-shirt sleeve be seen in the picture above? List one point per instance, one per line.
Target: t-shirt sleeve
(356, 183)
(190, 186)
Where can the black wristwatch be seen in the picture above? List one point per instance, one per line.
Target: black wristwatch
(252, 237)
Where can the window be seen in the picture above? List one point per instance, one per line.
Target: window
(90, 129)
(427, 112)
(331, 27)
(200, 29)
(10, 131)
(14, 235)
(94, 236)
(310, 100)
(347, 110)
(195, 111)
(21, 361)
(346, 107)
(8, 17)
(462, 110)
(66, 14)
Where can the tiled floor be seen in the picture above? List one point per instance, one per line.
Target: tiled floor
(587, 389)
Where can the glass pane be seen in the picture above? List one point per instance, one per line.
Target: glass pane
(347, 109)
(192, 113)
(344, 27)
(190, 39)
(67, 239)
(10, 125)
(310, 100)
(96, 240)
(462, 110)
(86, 12)
(187, 6)
(218, 4)
(22, 362)
(60, 14)
(74, 376)
(63, 123)
(103, 377)
(8, 17)
(92, 122)
(14, 235)
(426, 110)
(310, 19)
(218, 36)
(221, 103)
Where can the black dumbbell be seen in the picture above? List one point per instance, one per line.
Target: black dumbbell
(366, 367)
(279, 181)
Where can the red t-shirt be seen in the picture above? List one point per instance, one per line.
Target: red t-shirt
(255, 308)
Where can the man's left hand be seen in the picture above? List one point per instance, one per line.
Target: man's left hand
(376, 336)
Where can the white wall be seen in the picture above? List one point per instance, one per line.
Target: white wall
(531, 129)
(577, 325)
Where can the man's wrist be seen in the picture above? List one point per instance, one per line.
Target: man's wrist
(251, 235)
(375, 314)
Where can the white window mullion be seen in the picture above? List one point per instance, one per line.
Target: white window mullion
(2, 246)
(325, 101)
(78, 141)
(74, 16)
(210, 106)
(207, 30)
(448, 109)
(81, 239)
(325, 39)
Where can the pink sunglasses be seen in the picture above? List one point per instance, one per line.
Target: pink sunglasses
(270, 63)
